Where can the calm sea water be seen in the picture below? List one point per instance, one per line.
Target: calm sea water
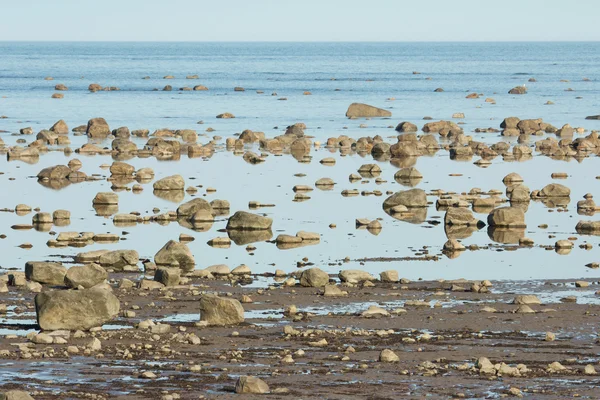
(336, 74)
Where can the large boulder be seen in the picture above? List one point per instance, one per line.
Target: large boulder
(175, 254)
(86, 276)
(75, 309)
(97, 128)
(246, 221)
(220, 311)
(173, 182)
(508, 217)
(251, 384)
(408, 198)
(360, 110)
(45, 272)
(314, 277)
(56, 172)
(193, 206)
(119, 259)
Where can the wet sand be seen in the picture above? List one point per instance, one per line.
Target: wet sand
(438, 345)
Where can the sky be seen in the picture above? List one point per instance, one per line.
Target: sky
(299, 20)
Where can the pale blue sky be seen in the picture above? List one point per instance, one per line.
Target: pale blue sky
(300, 20)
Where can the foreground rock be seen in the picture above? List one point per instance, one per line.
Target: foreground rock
(15, 395)
(215, 310)
(251, 384)
(360, 110)
(75, 309)
(45, 272)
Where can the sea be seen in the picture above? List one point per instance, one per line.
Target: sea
(312, 83)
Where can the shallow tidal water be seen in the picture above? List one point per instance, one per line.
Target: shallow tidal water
(369, 73)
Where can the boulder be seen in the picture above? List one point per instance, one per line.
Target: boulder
(355, 276)
(106, 198)
(314, 277)
(45, 272)
(251, 384)
(75, 309)
(518, 90)
(509, 217)
(220, 311)
(193, 206)
(15, 395)
(460, 216)
(121, 169)
(97, 128)
(175, 254)
(173, 182)
(588, 227)
(390, 276)
(242, 220)
(406, 127)
(60, 128)
(387, 355)
(555, 190)
(87, 276)
(168, 276)
(56, 172)
(119, 259)
(360, 110)
(408, 198)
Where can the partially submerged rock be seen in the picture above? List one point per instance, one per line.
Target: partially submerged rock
(360, 110)
(242, 220)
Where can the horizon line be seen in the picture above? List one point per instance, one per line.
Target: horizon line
(300, 41)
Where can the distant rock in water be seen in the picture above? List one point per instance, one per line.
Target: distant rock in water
(593, 117)
(518, 90)
(360, 110)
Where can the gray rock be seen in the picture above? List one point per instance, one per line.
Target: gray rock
(193, 206)
(45, 272)
(174, 182)
(314, 277)
(168, 276)
(408, 198)
(360, 110)
(15, 395)
(175, 254)
(119, 259)
(75, 309)
(97, 128)
(251, 384)
(510, 217)
(220, 311)
(87, 276)
(242, 220)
